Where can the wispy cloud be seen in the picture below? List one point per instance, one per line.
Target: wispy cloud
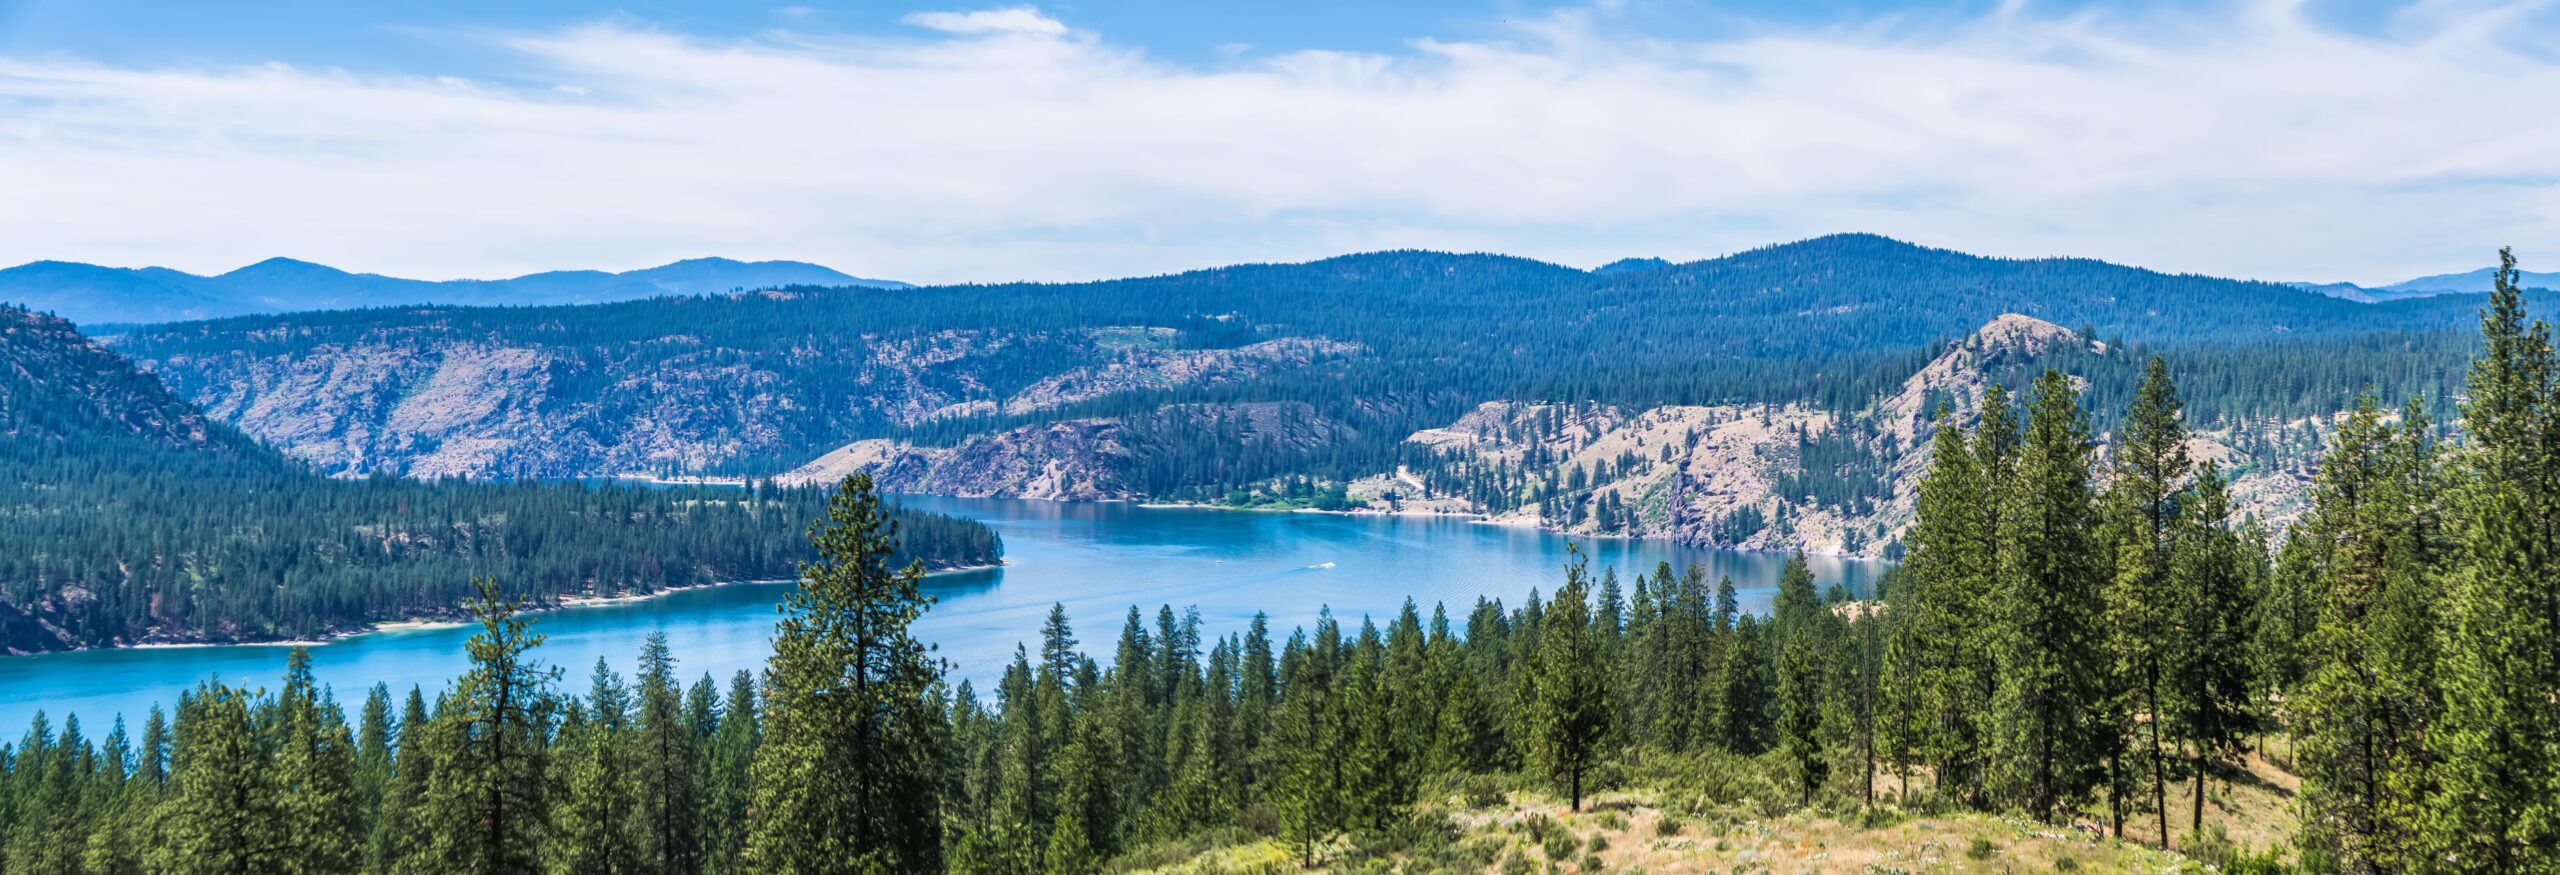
(1004, 144)
(1020, 19)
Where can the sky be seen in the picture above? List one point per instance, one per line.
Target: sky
(950, 142)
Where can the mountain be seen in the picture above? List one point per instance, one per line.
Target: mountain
(129, 516)
(2477, 282)
(1249, 383)
(2474, 282)
(89, 294)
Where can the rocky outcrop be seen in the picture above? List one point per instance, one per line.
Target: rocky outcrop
(434, 400)
(1722, 475)
(1160, 369)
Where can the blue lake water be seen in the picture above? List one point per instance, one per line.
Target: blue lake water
(1097, 559)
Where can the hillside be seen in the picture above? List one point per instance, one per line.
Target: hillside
(1783, 477)
(89, 294)
(128, 516)
(1245, 379)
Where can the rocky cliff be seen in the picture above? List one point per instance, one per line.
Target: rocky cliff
(1791, 476)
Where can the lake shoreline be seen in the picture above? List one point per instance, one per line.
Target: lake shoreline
(431, 622)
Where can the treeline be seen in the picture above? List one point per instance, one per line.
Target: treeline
(179, 548)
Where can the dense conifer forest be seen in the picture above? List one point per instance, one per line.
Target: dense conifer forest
(2075, 638)
(130, 517)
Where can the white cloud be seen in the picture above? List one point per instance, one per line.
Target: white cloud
(1019, 19)
(2246, 142)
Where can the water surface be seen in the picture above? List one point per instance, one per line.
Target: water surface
(1096, 558)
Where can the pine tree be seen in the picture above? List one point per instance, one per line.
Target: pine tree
(1802, 627)
(1569, 714)
(2213, 670)
(846, 776)
(312, 778)
(669, 767)
(728, 779)
(596, 808)
(1940, 667)
(2048, 750)
(2499, 789)
(395, 843)
(375, 729)
(2143, 602)
(2368, 698)
(488, 801)
(220, 815)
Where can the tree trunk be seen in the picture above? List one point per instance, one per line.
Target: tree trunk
(2198, 824)
(2159, 774)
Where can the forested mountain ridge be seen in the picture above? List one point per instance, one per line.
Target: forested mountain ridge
(1250, 379)
(127, 516)
(57, 386)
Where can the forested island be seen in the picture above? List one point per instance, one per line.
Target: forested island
(130, 517)
(2079, 645)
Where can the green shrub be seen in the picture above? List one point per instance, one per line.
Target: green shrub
(2066, 864)
(1560, 845)
(1591, 863)
(1981, 849)
(1666, 825)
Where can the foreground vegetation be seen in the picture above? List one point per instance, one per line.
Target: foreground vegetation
(2069, 643)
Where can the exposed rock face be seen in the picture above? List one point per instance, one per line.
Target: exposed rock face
(1718, 475)
(1158, 369)
(1079, 459)
(430, 401)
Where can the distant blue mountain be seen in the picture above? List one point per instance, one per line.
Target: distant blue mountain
(89, 294)
(2473, 283)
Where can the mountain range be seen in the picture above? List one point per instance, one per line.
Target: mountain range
(1779, 383)
(2472, 283)
(90, 294)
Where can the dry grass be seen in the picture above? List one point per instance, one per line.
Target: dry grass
(1642, 830)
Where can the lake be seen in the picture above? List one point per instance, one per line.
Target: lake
(1096, 558)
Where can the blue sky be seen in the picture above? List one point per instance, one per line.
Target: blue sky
(957, 141)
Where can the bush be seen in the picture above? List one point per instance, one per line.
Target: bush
(1560, 845)
(1666, 826)
(1981, 849)
(1482, 791)
(1591, 863)
(2066, 864)
(1599, 843)
(1715, 780)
